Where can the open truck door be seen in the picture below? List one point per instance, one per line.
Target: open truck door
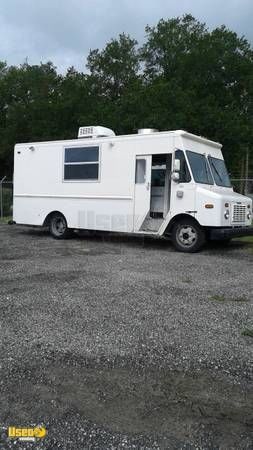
(142, 189)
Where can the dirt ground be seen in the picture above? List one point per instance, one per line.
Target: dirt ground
(119, 342)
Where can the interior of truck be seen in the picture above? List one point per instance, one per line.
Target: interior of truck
(159, 192)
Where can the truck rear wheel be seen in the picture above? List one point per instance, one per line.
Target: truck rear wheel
(187, 236)
(58, 226)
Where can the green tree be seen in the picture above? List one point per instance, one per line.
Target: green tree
(115, 67)
(184, 76)
(28, 98)
(115, 83)
(211, 72)
(169, 44)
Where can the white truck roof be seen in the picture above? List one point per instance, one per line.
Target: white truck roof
(179, 133)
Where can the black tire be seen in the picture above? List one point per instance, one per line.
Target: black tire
(58, 226)
(187, 236)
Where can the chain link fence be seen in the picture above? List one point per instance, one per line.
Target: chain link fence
(243, 186)
(6, 198)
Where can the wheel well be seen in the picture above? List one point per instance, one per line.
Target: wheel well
(52, 213)
(177, 219)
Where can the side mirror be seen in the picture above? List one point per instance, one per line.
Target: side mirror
(176, 169)
(177, 165)
(175, 176)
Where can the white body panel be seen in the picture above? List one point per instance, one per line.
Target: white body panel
(113, 202)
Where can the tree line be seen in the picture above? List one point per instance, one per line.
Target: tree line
(183, 76)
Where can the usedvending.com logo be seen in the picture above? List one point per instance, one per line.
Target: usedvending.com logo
(27, 434)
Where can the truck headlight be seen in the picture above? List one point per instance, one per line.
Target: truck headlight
(249, 215)
(226, 214)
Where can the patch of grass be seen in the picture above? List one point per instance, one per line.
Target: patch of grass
(222, 298)
(218, 298)
(187, 280)
(5, 219)
(247, 332)
(248, 239)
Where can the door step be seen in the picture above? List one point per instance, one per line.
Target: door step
(151, 224)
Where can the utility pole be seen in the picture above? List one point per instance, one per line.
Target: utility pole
(246, 172)
(241, 189)
(1, 197)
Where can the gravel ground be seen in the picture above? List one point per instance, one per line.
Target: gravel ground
(116, 342)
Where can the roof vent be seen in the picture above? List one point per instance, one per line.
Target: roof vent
(95, 132)
(147, 131)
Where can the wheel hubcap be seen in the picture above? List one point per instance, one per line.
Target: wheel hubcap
(186, 235)
(59, 226)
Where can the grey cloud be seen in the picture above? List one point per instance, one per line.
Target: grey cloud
(65, 30)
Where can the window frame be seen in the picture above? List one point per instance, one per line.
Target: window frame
(187, 165)
(207, 165)
(82, 180)
(145, 172)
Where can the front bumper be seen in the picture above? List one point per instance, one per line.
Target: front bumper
(219, 234)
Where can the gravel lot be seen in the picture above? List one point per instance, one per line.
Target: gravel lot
(116, 342)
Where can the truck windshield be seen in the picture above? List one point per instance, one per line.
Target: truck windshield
(219, 171)
(200, 168)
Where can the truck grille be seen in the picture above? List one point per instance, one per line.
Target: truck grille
(239, 213)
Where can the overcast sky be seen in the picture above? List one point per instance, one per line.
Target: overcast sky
(64, 31)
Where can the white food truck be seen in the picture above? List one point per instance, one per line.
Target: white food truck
(170, 183)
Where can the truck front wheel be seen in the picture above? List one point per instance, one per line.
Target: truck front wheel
(187, 236)
(58, 226)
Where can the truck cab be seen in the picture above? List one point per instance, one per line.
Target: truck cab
(204, 205)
